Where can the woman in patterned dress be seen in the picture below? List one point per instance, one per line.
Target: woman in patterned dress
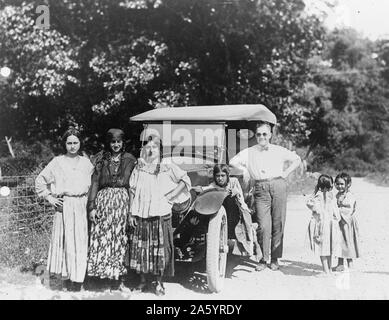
(64, 183)
(154, 188)
(108, 207)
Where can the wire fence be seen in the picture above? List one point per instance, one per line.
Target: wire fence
(25, 223)
(20, 208)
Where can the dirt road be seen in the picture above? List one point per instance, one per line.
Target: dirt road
(296, 278)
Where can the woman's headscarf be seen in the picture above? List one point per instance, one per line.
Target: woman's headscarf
(115, 133)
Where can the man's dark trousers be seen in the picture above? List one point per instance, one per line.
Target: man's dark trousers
(270, 211)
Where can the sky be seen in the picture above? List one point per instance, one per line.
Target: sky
(369, 17)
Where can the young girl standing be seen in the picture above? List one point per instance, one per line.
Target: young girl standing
(323, 228)
(348, 223)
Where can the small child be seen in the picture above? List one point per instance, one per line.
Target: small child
(323, 228)
(348, 223)
(238, 213)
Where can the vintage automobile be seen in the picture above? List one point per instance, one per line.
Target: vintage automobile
(196, 138)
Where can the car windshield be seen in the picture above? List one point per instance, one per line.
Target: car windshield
(189, 143)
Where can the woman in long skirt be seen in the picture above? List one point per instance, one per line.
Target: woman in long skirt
(108, 207)
(64, 183)
(154, 188)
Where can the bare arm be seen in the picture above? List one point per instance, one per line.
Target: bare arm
(176, 191)
(293, 166)
(130, 219)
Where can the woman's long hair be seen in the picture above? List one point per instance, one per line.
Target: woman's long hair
(221, 168)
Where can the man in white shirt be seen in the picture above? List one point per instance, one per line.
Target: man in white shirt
(265, 164)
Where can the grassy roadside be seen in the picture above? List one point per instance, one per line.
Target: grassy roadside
(302, 184)
(16, 277)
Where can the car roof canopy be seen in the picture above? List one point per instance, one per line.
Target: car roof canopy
(236, 112)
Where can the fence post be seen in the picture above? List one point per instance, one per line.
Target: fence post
(8, 140)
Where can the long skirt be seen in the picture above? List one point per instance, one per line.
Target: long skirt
(151, 246)
(350, 239)
(69, 240)
(108, 238)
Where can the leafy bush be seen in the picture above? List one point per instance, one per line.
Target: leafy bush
(28, 158)
(351, 162)
(302, 184)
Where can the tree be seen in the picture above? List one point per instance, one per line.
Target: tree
(109, 60)
(348, 118)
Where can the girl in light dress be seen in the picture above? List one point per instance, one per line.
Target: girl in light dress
(64, 183)
(348, 223)
(323, 228)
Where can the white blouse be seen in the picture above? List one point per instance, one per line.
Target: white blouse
(60, 178)
(149, 189)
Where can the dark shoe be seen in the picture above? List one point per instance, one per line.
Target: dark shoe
(158, 288)
(67, 285)
(274, 266)
(115, 285)
(56, 283)
(339, 268)
(261, 266)
(75, 286)
(141, 287)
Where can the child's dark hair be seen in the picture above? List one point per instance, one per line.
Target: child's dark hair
(344, 176)
(221, 168)
(324, 184)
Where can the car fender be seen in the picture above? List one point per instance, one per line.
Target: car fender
(210, 201)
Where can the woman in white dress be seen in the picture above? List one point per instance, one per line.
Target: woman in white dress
(65, 183)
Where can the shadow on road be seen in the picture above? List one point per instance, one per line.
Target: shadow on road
(237, 263)
(192, 276)
(298, 268)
